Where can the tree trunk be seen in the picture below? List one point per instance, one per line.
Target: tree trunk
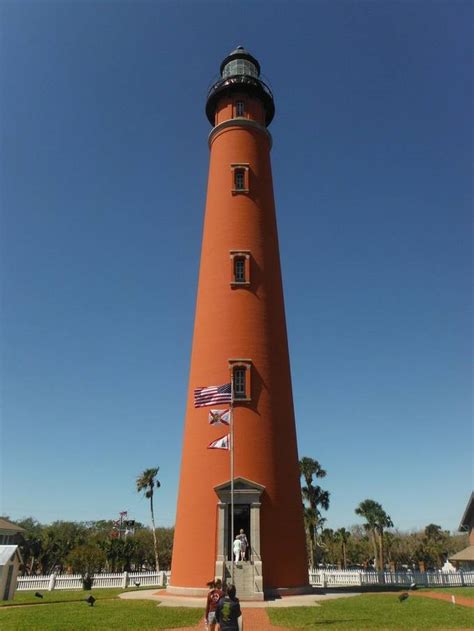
(374, 542)
(157, 563)
(381, 552)
(310, 543)
(381, 558)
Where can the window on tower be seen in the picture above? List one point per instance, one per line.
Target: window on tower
(240, 178)
(239, 382)
(240, 373)
(240, 108)
(240, 268)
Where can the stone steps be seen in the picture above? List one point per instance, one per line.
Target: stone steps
(244, 580)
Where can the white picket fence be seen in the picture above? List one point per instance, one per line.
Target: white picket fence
(74, 581)
(360, 578)
(317, 578)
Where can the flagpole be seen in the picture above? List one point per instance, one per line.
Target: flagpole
(232, 475)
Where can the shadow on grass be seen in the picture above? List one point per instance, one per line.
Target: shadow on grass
(56, 601)
(360, 589)
(318, 623)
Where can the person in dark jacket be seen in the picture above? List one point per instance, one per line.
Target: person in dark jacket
(228, 611)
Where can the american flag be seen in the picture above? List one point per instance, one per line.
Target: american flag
(212, 395)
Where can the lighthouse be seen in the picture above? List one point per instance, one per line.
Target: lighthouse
(239, 467)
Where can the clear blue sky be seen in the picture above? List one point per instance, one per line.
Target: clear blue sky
(103, 179)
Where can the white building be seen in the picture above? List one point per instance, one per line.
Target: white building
(10, 560)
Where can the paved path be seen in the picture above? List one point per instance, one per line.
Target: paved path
(171, 600)
(254, 620)
(254, 613)
(460, 600)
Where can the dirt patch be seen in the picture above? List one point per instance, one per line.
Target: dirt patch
(460, 600)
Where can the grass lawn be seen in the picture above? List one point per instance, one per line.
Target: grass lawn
(375, 612)
(466, 592)
(67, 595)
(113, 614)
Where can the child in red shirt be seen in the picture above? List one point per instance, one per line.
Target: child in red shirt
(213, 597)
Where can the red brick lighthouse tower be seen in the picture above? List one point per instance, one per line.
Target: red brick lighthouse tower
(240, 337)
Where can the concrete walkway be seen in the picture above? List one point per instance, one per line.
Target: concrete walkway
(254, 615)
(171, 600)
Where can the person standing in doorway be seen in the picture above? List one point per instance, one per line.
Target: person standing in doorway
(237, 546)
(243, 544)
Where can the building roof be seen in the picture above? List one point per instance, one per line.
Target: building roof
(464, 555)
(467, 520)
(6, 553)
(6, 524)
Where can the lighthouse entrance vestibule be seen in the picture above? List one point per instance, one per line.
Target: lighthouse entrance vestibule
(247, 505)
(241, 522)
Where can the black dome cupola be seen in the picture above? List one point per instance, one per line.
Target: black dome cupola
(240, 71)
(240, 62)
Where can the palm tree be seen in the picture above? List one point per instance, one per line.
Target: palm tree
(342, 535)
(310, 521)
(384, 521)
(368, 510)
(376, 520)
(147, 482)
(310, 467)
(316, 497)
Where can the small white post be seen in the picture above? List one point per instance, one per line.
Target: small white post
(52, 582)
(125, 580)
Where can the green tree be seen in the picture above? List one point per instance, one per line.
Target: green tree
(342, 537)
(165, 538)
(376, 521)
(146, 483)
(310, 521)
(30, 543)
(57, 541)
(359, 547)
(329, 546)
(433, 546)
(315, 499)
(86, 560)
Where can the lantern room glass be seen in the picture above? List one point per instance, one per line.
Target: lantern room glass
(239, 67)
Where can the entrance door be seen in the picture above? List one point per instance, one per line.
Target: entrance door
(241, 522)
